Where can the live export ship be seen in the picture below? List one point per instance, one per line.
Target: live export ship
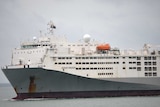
(52, 67)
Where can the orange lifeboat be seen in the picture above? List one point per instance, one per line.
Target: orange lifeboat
(103, 47)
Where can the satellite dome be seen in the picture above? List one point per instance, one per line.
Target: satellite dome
(34, 38)
(86, 38)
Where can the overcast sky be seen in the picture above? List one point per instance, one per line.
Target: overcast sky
(126, 24)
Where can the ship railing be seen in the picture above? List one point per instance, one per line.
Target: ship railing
(134, 52)
(23, 66)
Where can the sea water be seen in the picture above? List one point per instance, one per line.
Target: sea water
(7, 92)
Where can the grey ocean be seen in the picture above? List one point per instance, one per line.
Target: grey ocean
(6, 93)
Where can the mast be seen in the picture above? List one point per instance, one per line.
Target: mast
(51, 27)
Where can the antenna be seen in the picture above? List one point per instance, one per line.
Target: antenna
(40, 33)
(51, 26)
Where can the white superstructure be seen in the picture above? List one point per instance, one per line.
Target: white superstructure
(85, 59)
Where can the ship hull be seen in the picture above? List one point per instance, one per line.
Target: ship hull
(42, 83)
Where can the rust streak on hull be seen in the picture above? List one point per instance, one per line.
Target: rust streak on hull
(32, 85)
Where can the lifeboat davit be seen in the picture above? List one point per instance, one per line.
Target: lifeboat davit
(103, 47)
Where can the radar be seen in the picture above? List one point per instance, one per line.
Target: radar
(86, 38)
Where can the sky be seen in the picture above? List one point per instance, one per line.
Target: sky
(126, 24)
